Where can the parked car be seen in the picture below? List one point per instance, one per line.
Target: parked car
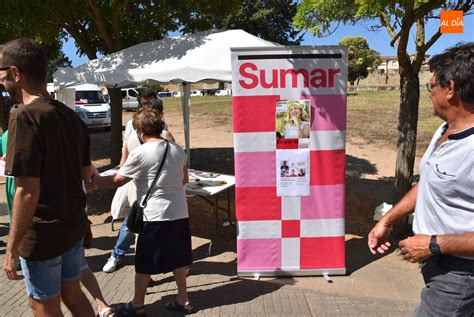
(195, 93)
(165, 94)
(92, 107)
(224, 92)
(129, 99)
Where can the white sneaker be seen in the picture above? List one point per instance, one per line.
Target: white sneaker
(111, 264)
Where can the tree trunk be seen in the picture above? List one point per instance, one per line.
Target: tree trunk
(407, 128)
(116, 128)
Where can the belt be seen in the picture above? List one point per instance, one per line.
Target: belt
(456, 264)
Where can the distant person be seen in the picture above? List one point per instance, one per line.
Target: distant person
(164, 244)
(443, 199)
(48, 154)
(297, 121)
(146, 97)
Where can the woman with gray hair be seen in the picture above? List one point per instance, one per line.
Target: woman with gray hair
(164, 244)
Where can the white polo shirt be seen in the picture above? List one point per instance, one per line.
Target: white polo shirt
(445, 199)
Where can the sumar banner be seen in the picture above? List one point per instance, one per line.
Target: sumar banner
(288, 101)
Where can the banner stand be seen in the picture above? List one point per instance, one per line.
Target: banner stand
(289, 119)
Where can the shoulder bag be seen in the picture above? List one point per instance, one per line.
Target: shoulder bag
(135, 218)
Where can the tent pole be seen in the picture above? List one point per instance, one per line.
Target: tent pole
(185, 93)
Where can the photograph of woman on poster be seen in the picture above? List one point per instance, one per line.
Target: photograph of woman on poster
(297, 122)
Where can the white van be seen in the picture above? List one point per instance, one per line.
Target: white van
(224, 92)
(129, 99)
(92, 107)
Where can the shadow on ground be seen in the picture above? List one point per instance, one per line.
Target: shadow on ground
(237, 291)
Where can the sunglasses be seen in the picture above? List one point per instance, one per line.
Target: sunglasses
(5, 67)
(430, 86)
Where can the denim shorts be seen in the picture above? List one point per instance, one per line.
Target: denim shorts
(43, 278)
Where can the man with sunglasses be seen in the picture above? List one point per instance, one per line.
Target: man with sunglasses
(443, 200)
(48, 154)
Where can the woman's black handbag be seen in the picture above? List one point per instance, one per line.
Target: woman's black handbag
(135, 218)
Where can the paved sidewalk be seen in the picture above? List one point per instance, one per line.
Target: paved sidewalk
(386, 286)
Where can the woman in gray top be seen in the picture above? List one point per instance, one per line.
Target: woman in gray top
(164, 245)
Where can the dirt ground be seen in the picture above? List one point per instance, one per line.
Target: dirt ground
(369, 174)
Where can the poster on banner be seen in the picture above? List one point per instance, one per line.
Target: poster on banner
(293, 172)
(292, 121)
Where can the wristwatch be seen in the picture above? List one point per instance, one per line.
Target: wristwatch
(434, 246)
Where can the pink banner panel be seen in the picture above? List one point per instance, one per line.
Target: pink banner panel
(259, 254)
(325, 202)
(328, 112)
(328, 167)
(257, 203)
(255, 169)
(320, 253)
(254, 113)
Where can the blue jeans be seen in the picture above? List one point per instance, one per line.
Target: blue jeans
(43, 278)
(449, 288)
(124, 239)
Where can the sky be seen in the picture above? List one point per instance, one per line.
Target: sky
(379, 40)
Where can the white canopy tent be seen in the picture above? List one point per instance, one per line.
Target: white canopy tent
(199, 57)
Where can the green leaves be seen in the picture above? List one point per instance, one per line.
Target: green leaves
(361, 57)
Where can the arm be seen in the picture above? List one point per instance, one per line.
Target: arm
(170, 136)
(110, 181)
(461, 244)
(303, 133)
(377, 239)
(124, 151)
(87, 172)
(185, 175)
(24, 207)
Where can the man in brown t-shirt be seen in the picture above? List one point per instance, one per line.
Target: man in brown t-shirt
(48, 153)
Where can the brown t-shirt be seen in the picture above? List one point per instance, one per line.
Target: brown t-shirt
(47, 140)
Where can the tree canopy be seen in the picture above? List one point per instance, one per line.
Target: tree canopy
(361, 57)
(397, 18)
(268, 19)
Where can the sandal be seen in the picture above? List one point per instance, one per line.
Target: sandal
(175, 306)
(106, 312)
(128, 310)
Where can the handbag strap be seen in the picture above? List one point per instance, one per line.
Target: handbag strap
(143, 204)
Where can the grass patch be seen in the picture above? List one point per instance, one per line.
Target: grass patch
(205, 105)
(372, 116)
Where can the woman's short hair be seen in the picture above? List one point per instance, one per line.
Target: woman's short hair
(148, 121)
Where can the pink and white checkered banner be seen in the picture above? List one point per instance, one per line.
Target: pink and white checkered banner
(297, 235)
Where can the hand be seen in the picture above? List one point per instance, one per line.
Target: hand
(88, 236)
(296, 121)
(377, 239)
(10, 264)
(90, 184)
(416, 248)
